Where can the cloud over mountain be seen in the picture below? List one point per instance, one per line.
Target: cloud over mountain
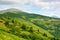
(47, 6)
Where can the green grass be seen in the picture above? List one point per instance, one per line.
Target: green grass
(23, 26)
(7, 36)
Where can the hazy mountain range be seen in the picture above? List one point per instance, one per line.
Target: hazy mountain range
(18, 25)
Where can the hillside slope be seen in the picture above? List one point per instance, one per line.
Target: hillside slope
(7, 36)
(29, 26)
(24, 30)
(48, 23)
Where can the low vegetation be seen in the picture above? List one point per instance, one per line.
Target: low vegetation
(23, 26)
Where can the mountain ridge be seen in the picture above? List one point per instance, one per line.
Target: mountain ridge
(14, 10)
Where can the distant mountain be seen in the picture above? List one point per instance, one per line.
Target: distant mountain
(18, 25)
(9, 10)
(54, 16)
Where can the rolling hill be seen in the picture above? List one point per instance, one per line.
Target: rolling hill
(19, 25)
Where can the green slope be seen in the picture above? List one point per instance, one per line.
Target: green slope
(30, 26)
(7, 36)
(22, 29)
(48, 23)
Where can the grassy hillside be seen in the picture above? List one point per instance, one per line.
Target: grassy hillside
(7, 36)
(26, 26)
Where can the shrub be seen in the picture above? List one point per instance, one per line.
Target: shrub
(31, 29)
(23, 27)
(45, 35)
(55, 39)
(6, 23)
(33, 37)
(24, 36)
(12, 21)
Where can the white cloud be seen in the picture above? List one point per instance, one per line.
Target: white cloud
(52, 6)
(17, 2)
(46, 5)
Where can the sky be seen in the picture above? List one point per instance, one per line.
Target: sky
(43, 7)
